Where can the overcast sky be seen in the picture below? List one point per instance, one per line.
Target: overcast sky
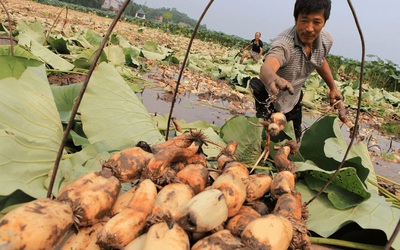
(379, 21)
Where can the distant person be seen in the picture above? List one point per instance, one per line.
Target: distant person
(256, 49)
(293, 55)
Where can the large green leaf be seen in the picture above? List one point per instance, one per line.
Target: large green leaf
(59, 44)
(34, 31)
(93, 37)
(44, 53)
(358, 156)
(110, 110)
(253, 68)
(155, 52)
(115, 55)
(86, 57)
(212, 150)
(248, 136)
(325, 219)
(65, 96)
(345, 191)
(14, 66)
(82, 41)
(33, 37)
(151, 46)
(323, 143)
(225, 70)
(119, 40)
(131, 56)
(153, 55)
(391, 98)
(30, 132)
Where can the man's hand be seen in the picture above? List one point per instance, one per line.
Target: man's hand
(280, 84)
(334, 96)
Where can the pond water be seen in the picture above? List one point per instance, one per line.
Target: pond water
(188, 107)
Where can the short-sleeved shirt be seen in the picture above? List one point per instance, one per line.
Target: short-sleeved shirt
(256, 47)
(295, 66)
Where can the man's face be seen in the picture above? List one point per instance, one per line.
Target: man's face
(309, 26)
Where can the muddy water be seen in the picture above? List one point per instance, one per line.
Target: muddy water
(190, 108)
(388, 169)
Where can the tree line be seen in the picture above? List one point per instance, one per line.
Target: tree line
(170, 15)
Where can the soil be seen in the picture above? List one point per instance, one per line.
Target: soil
(66, 79)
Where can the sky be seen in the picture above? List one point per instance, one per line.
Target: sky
(379, 21)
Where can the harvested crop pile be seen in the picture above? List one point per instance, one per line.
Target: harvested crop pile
(174, 203)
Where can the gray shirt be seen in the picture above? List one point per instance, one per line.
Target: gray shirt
(295, 66)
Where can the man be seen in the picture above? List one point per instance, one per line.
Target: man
(256, 49)
(292, 57)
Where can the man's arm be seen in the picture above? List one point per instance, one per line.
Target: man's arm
(325, 72)
(245, 48)
(268, 70)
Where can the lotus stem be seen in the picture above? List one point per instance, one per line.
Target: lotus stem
(343, 243)
(67, 71)
(388, 180)
(264, 168)
(393, 198)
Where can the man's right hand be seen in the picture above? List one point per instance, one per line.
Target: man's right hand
(280, 84)
(334, 96)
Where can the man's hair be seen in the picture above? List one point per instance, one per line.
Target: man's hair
(312, 6)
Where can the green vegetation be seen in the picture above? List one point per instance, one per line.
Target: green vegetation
(91, 4)
(377, 73)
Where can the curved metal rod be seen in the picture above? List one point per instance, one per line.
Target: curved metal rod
(80, 96)
(358, 107)
(184, 65)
